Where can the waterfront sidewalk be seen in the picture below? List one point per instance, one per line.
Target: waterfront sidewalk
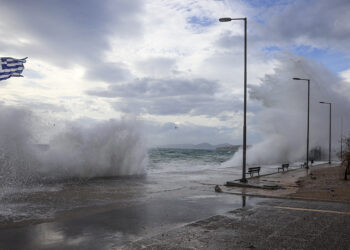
(322, 182)
(312, 211)
(275, 224)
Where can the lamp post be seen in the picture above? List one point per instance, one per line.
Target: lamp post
(341, 140)
(228, 19)
(308, 117)
(330, 129)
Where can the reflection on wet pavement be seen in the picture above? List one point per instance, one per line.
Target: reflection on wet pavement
(105, 213)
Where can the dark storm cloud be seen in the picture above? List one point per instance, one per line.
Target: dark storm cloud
(319, 22)
(316, 23)
(69, 32)
(169, 97)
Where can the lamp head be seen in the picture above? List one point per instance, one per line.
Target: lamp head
(225, 19)
(296, 78)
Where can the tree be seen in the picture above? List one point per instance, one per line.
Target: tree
(346, 156)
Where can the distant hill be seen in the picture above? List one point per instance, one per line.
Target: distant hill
(203, 146)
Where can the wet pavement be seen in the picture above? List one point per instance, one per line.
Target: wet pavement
(271, 224)
(48, 201)
(160, 211)
(286, 180)
(114, 226)
(139, 208)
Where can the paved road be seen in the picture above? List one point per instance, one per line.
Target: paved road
(114, 225)
(271, 224)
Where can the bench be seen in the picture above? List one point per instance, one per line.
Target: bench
(253, 170)
(286, 165)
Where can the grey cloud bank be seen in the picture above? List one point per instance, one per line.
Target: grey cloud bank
(71, 32)
(169, 97)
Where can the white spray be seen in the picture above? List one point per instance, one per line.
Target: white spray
(283, 119)
(107, 148)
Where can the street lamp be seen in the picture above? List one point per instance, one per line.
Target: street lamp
(308, 117)
(228, 19)
(341, 140)
(330, 129)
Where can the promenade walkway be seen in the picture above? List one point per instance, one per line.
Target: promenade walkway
(282, 221)
(274, 224)
(288, 180)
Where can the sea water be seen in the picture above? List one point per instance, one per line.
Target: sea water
(165, 168)
(176, 160)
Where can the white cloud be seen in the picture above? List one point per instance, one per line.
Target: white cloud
(346, 75)
(165, 61)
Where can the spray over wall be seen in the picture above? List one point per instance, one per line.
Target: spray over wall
(283, 119)
(98, 149)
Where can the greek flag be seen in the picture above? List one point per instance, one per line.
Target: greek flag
(11, 67)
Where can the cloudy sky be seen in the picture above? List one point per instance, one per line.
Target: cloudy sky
(170, 64)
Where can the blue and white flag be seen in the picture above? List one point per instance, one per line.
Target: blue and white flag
(11, 67)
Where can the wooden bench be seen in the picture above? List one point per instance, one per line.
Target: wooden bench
(286, 165)
(253, 170)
